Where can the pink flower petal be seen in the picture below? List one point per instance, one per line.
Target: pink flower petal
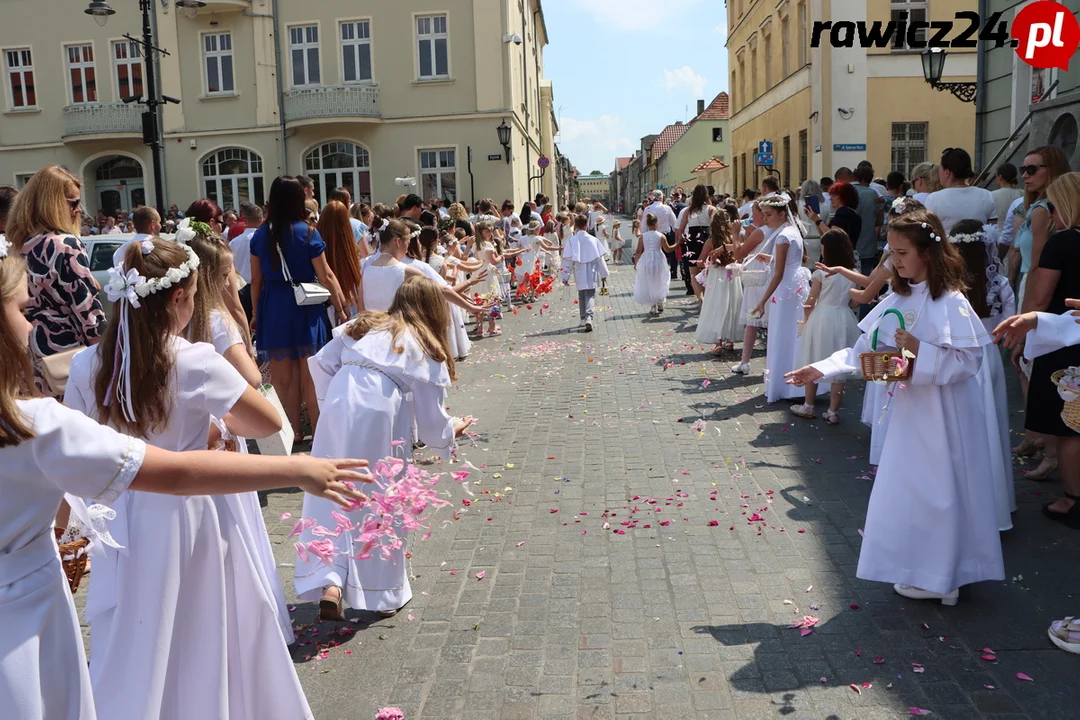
(480, 575)
(1025, 677)
(988, 657)
(286, 516)
(521, 543)
(853, 606)
(878, 661)
(713, 523)
(805, 631)
(918, 711)
(856, 688)
(553, 510)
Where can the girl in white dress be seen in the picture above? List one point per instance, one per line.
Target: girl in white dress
(830, 324)
(212, 323)
(930, 525)
(652, 279)
(383, 376)
(782, 293)
(47, 450)
(752, 251)
(992, 298)
(496, 289)
(616, 242)
(177, 612)
(721, 311)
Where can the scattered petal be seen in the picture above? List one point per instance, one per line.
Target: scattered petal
(480, 575)
(919, 711)
(286, 516)
(988, 657)
(879, 660)
(1025, 677)
(853, 606)
(856, 688)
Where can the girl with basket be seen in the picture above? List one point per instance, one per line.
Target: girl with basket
(930, 524)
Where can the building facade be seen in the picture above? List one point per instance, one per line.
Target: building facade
(707, 136)
(1020, 107)
(826, 107)
(595, 187)
(357, 94)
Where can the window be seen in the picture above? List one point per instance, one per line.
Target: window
(803, 39)
(743, 164)
(438, 174)
(129, 69)
(340, 164)
(718, 134)
(20, 68)
(80, 60)
(304, 49)
(217, 49)
(804, 159)
(232, 176)
(785, 47)
(431, 40)
(735, 173)
(356, 51)
(753, 74)
(734, 84)
(914, 11)
(908, 146)
(787, 161)
(21, 179)
(768, 62)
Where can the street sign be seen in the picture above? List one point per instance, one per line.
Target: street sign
(497, 156)
(764, 148)
(850, 147)
(763, 159)
(543, 161)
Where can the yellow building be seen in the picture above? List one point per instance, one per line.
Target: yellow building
(826, 107)
(595, 187)
(355, 93)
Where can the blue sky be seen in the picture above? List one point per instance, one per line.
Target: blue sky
(621, 69)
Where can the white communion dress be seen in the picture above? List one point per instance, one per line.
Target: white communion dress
(43, 673)
(244, 509)
(652, 279)
(752, 294)
(369, 397)
(457, 333)
(381, 283)
(931, 522)
(181, 624)
(991, 379)
(721, 314)
(785, 311)
(832, 324)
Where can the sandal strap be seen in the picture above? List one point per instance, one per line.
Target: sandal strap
(1063, 630)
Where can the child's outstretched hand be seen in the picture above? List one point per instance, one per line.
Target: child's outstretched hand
(462, 424)
(803, 375)
(1010, 332)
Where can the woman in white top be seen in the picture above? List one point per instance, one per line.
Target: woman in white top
(782, 293)
(957, 200)
(178, 611)
(47, 450)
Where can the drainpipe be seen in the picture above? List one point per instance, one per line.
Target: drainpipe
(980, 94)
(525, 98)
(280, 90)
(472, 183)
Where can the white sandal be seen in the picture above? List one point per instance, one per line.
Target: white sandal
(804, 411)
(832, 418)
(1065, 634)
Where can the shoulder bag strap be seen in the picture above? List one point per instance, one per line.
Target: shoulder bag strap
(284, 264)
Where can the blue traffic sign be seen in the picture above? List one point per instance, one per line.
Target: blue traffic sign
(763, 159)
(764, 148)
(849, 147)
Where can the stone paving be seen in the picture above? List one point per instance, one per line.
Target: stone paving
(624, 577)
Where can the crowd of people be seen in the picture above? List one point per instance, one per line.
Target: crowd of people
(357, 313)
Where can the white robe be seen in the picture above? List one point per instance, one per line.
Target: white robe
(181, 625)
(1053, 332)
(43, 673)
(369, 397)
(991, 379)
(931, 518)
(583, 258)
(785, 311)
(244, 509)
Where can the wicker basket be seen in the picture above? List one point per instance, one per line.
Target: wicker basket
(1070, 413)
(877, 366)
(74, 558)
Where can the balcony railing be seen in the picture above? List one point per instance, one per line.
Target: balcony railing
(333, 101)
(97, 118)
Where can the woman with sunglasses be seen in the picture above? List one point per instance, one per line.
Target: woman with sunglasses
(1042, 166)
(64, 308)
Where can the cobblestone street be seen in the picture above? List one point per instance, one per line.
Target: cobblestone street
(626, 573)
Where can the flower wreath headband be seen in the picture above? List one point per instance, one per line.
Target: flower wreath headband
(4, 246)
(774, 201)
(127, 288)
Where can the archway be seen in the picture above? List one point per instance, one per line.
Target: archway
(118, 184)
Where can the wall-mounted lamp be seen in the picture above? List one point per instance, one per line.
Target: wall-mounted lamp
(504, 138)
(814, 116)
(846, 113)
(933, 67)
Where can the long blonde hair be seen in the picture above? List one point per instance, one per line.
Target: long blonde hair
(15, 370)
(1064, 193)
(419, 305)
(929, 172)
(215, 256)
(42, 206)
(149, 347)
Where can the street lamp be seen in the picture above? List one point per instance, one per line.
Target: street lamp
(504, 138)
(933, 66)
(101, 11)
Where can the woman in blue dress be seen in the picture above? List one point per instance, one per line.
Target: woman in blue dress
(286, 332)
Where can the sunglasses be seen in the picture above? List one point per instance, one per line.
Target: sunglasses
(1030, 169)
(75, 204)
(1050, 207)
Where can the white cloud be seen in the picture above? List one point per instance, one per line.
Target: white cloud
(685, 77)
(604, 136)
(635, 14)
(721, 30)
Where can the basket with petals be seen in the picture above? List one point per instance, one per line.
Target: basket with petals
(74, 558)
(1068, 385)
(888, 365)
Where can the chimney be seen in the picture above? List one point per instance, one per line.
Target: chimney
(700, 106)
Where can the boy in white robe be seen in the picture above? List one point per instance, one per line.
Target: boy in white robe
(584, 258)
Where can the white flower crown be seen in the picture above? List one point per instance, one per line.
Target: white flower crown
(4, 246)
(131, 286)
(966, 238)
(774, 201)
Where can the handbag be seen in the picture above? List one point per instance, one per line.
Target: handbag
(305, 293)
(57, 367)
(281, 442)
(756, 273)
